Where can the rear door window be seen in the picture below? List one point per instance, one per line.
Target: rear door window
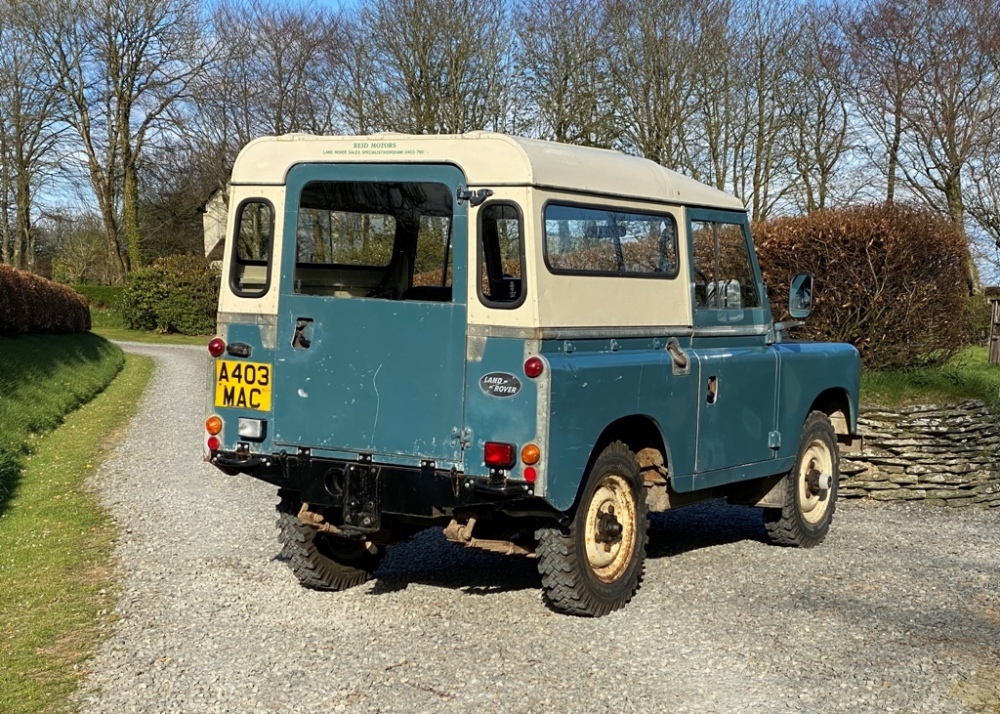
(374, 240)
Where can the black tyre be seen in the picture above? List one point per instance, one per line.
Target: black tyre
(287, 509)
(324, 561)
(810, 496)
(595, 565)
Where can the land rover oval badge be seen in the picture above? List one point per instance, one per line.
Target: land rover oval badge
(500, 384)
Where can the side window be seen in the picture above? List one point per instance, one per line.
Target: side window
(501, 249)
(610, 242)
(723, 275)
(254, 241)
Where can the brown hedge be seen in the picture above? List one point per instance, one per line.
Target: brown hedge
(29, 303)
(889, 279)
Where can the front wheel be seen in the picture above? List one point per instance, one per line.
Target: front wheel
(810, 495)
(595, 565)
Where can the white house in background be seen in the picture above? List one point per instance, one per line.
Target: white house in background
(213, 220)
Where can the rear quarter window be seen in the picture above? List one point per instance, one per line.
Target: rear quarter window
(253, 245)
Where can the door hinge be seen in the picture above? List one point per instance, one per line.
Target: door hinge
(774, 439)
(463, 437)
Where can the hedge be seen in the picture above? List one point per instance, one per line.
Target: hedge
(32, 304)
(891, 280)
(101, 296)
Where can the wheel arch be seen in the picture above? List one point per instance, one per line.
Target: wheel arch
(643, 436)
(835, 403)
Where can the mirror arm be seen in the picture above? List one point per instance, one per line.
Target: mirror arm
(780, 328)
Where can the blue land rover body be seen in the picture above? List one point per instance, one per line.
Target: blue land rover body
(530, 344)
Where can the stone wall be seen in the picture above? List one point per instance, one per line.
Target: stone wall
(943, 455)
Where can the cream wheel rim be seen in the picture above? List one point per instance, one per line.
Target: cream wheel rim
(611, 509)
(817, 461)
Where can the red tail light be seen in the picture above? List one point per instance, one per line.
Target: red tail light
(498, 455)
(216, 347)
(533, 367)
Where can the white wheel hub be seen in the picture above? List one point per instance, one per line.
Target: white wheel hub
(610, 531)
(815, 480)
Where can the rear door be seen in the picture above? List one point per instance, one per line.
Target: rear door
(372, 312)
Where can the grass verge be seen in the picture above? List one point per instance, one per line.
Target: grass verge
(108, 325)
(969, 375)
(56, 587)
(42, 378)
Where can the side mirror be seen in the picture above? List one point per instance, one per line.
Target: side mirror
(800, 296)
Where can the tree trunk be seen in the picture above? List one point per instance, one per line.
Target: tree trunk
(24, 240)
(5, 237)
(130, 213)
(897, 132)
(956, 211)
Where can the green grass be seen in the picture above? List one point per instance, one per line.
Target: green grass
(56, 587)
(108, 325)
(42, 378)
(969, 375)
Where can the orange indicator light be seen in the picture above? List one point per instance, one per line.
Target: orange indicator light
(213, 425)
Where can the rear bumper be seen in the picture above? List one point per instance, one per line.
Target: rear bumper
(362, 491)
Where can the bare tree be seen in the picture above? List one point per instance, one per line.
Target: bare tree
(76, 240)
(276, 73)
(719, 137)
(564, 57)
(362, 100)
(653, 58)
(120, 65)
(437, 66)
(880, 78)
(946, 94)
(27, 137)
(765, 37)
(819, 118)
(955, 104)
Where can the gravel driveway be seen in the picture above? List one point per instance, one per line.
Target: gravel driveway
(899, 611)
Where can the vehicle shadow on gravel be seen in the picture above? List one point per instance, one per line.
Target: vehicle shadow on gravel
(703, 526)
(429, 559)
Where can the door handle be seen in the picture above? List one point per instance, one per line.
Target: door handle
(681, 360)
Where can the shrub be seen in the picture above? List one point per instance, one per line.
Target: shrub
(101, 296)
(178, 293)
(891, 280)
(29, 303)
(978, 319)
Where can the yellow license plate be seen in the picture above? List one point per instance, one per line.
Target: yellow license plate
(244, 385)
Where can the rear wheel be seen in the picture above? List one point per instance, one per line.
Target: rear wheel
(810, 495)
(595, 565)
(324, 561)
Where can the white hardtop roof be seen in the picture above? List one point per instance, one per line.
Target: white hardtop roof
(488, 159)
